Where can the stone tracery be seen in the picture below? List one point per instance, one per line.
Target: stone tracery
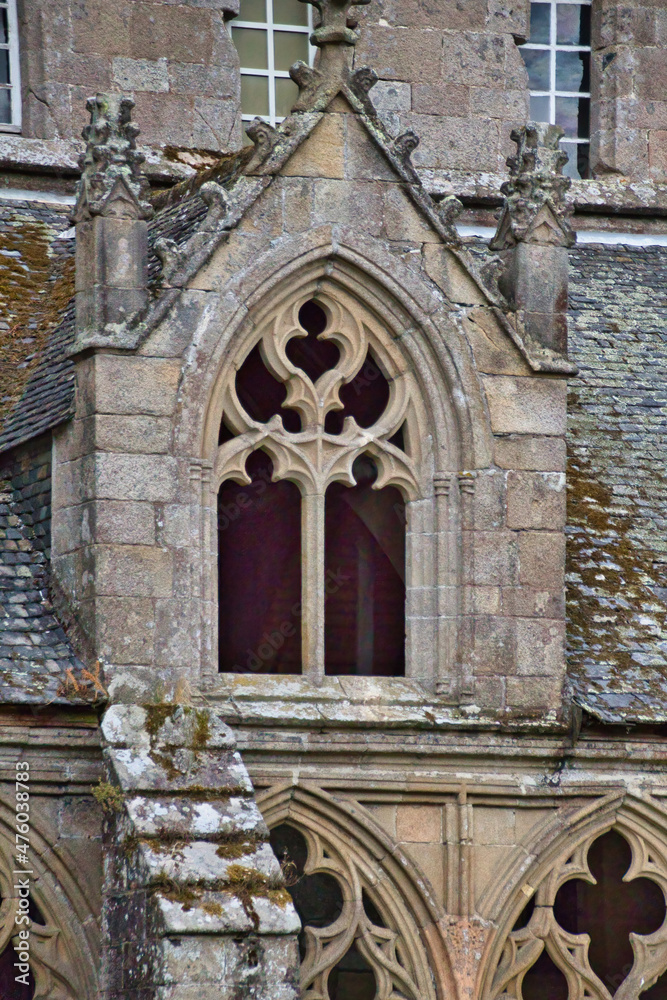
(370, 917)
(542, 938)
(330, 439)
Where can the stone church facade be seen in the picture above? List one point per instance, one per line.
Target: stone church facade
(333, 640)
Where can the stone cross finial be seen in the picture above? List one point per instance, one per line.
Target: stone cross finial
(535, 210)
(336, 26)
(111, 183)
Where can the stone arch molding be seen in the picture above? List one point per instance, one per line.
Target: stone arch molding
(414, 314)
(560, 857)
(374, 303)
(62, 951)
(408, 956)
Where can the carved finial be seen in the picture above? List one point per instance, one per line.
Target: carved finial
(335, 36)
(337, 26)
(111, 182)
(535, 210)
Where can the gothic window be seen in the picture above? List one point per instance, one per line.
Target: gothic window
(10, 80)
(270, 36)
(595, 929)
(558, 59)
(350, 949)
(316, 456)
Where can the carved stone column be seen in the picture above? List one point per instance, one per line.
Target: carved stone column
(111, 217)
(533, 235)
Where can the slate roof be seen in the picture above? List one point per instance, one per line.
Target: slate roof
(37, 664)
(617, 515)
(617, 483)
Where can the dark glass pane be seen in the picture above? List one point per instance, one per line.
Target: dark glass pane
(537, 64)
(259, 565)
(4, 66)
(544, 981)
(251, 45)
(540, 23)
(290, 12)
(572, 71)
(4, 31)
(573, 24)
(610, 910)
(252, 10)
(5, 107)
(261, 395)
(539, 109)
(290, 846)
(288, 48)
(287, 93)
(254, 95)
(524, 917)
(318, 898)
(569, 115)
(310, 354)
(371, 910)
(9, 988)
(352, 978)
(365, 574)
(583, 159)
(365, 398)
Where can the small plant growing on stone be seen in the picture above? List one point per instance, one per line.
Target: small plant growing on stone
(109, 797)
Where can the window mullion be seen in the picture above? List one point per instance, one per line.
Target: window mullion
(271, 62)
(312, 585)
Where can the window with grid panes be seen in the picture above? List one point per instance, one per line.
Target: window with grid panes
(270, 36)
(10, 83)
(558, 60)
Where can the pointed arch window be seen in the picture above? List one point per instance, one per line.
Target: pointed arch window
(318, 452)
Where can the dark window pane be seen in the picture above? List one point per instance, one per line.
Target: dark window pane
(252, 10)
(540, 23)
(352, 978)
(311, 354)
(287, 93)
(4, 30)
(317, 898)
(289, 47)
(537, 64)
(577, 164)
(5, 107)
(568, 20)
(610, 910)
(259, 544)
(567, 115)
(254, 95)
(261, 395)
(572, 71)
(4, 66)
(365, 398)
(544, 981)
(573, 24)
(539, 109)
(365, 574)
(290, 12)
(251, 46)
